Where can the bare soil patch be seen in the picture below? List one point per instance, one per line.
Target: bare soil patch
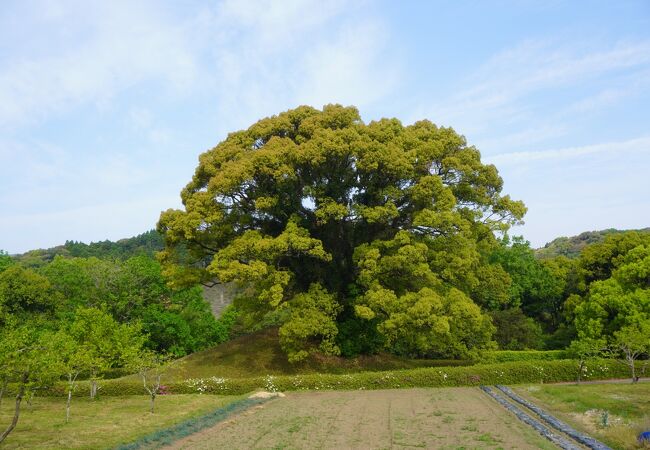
(448, 418)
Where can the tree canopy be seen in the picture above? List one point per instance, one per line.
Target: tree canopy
(377, 229)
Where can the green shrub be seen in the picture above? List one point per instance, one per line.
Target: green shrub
(500, 373)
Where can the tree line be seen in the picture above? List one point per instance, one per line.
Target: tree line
(78, 318)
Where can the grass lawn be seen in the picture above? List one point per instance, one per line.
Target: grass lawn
(582, 406)
(104, 423)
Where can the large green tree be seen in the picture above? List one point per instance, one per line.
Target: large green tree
(621, 301)
(313, 212)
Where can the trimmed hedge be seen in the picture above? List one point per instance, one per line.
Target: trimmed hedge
(501, 373)
(500, 356)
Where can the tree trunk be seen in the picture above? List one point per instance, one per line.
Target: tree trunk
(634, 378)
(19, 399)
(93, 389)
(71, 385)
(30, 397)
(580, 367)
(67, 406)
(153, 398)
(3, 389)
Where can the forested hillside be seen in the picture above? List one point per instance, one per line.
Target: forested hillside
(147, 244)
(573, 245)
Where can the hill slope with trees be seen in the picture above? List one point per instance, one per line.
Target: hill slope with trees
(573, 245)
(147, 243)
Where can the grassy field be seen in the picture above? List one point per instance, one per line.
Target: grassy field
(582, 406)
(103, 423)
(450, 418)
(260, 354)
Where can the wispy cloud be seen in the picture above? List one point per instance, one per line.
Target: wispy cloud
(641, 144)
(507, 86)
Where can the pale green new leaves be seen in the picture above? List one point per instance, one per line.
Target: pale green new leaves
(251, 260)
(312, 324)
(417, 313)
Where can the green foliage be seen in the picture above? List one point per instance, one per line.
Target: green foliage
(536, 287)
(310, 200)
(5, 261)
(24, 292)
(176, 321)
(99, 344)
(622, 300)
(312, 320)
(516, 331)
(599, 261)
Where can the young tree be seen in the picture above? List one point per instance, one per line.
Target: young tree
(151, 366)
(633, 341)
(72, 358)
(282, 208)
(30, 363)
(106, 344)
(585, 349)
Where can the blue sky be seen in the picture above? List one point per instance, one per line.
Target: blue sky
(105, 106)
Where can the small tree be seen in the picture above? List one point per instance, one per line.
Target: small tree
(72, 359)
(151, 367)
(632, 342)
(105, 342)
(5, 359)
(30, 363)
(583, 350)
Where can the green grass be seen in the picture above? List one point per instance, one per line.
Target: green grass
(582, 406)
(260, 354)
(104, 423)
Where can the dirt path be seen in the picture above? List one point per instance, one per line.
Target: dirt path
(396, 419)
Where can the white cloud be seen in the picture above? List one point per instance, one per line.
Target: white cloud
(122, 47)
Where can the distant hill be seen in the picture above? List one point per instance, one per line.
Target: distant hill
(150, 242)
(572, 246)
(144, 244)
